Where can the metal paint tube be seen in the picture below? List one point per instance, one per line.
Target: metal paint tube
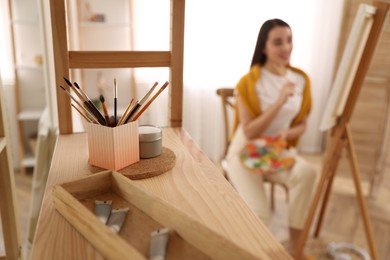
(103, 210)
(158, 244)
(117, 218)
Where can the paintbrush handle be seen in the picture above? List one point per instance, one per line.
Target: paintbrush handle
(78, 103)
(126, 112)
(91, 106)
(115, 111)
(150, 102)
(82, 114)
(93, 109)
(133, 111)
(105, 112)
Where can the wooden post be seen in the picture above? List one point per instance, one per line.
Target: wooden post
(61, 64)
(177, 53)
(8, 209)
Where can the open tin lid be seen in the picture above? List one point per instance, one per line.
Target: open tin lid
(149, 133)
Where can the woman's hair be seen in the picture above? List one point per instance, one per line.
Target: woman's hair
(258, 56)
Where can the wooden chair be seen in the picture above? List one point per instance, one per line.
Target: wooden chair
(66, 59)
(227, 98)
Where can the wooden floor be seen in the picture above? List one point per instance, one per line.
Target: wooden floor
(342, 220)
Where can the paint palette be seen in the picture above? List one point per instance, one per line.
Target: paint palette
(266, 156)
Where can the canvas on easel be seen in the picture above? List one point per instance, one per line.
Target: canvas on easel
(348, 66)
(348, 81)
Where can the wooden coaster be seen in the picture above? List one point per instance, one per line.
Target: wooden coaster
(147, 168)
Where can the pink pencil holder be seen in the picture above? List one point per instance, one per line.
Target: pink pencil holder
(113, 148)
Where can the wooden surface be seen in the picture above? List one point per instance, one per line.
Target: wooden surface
(75, 201)
(194, 186)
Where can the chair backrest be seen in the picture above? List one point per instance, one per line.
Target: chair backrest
(65, 59)
(227, 98)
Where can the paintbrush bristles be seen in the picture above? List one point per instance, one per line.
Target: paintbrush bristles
(68, 82)
(105, 111)
(89, 111)
(101, 97)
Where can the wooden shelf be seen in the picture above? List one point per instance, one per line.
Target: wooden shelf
(28, 161)
(104, 24)
(30, 115)
(25, 22)
(29, 67)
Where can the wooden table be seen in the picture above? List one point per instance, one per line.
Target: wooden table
(194, 185)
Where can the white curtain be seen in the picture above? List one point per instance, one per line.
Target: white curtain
(220, 37)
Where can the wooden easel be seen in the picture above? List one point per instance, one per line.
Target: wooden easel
(9, 217)
(342, 138)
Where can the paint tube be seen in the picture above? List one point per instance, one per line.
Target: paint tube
(103, 210)
(117, 218)
(158, 244)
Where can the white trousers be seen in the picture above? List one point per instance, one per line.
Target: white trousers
(300, 180)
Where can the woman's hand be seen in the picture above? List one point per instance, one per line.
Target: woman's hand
(287, 91)
(281, 135)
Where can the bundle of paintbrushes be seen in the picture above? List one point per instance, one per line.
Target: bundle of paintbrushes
(91, 113)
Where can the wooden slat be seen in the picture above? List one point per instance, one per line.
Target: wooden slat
(118, 59)
(61, 66)
(191, 230)
(177, 53)
(89, 226)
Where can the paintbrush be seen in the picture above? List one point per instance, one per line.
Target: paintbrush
(105, 111)
(82, 114)
(115, 101)
(126, 112)
(140, 103)
(78, 103)
(150, 101)
(86, 101)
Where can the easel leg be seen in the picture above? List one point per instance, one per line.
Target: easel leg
(334, 161)
(359, 193)
(324, 204)
(334, 149)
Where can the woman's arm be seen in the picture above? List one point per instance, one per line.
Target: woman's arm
(295, 131)
(254, 126)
